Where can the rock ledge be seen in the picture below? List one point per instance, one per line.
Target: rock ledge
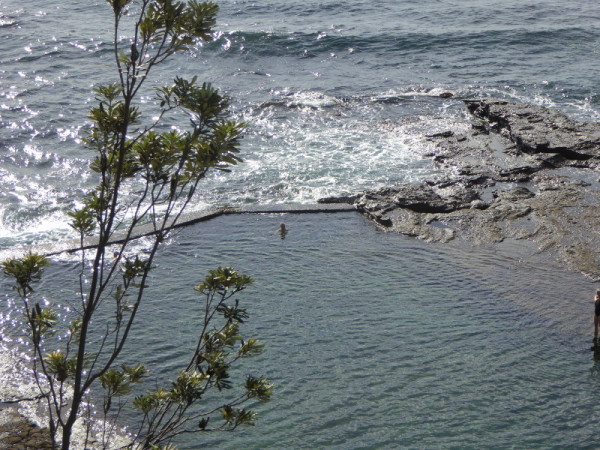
(521, 172)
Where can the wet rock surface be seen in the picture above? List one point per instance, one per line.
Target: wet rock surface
(520, 172)
(16, 432)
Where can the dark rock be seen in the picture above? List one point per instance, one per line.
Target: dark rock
(514, 195)
(19, 433)
(522, 172)
(535, 129)
(420, 198)
(350, 199)
(444, 134)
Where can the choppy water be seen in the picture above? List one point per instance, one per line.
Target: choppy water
(338, 95)
(428, 346)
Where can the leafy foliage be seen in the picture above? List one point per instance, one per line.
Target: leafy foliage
(218, 347)
(164, 166)
(25, 270)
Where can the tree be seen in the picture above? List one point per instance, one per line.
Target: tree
(162, 167)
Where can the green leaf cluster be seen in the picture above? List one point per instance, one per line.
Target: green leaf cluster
(220, 345)
(178, 22)
(118, 5)
(147, 173)
(238, 416)
(259, 388)
(223, 280)
(151, 401)
(25, 270)
(60, 366)
(133, 268)
(256, 387)
(188, 387)
(117, 383)
(83, 221)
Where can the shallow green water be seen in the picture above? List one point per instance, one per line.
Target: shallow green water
(375, 340)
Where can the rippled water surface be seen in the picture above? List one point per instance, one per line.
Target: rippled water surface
(375, 340)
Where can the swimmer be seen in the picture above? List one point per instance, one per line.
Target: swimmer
(282, 230)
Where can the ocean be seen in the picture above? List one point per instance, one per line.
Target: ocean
(374, 340)
(338, 96)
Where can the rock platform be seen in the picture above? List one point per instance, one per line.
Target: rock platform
(518, 173)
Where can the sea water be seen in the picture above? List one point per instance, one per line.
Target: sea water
(373, 339)
(338, 96)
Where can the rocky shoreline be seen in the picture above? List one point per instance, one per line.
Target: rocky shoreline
(17, 432)
(22, 421)
(517, 172)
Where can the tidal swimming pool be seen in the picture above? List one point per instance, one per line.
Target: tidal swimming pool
(376, 340)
